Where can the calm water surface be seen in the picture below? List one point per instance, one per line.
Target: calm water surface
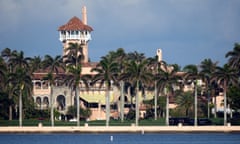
(124, 138)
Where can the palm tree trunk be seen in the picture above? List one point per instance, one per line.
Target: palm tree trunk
(20, 109)
(215, 106)
(122, 101)
(225, 102)
(155, 100)
(52, 106)
(166, 92)
(208, 103)
(78, 105)
(167, 110)
(107, 106)
(10, 112)
(137, 104)
(195, 105)
(129, 95)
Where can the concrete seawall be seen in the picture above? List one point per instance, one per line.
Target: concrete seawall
(119, 129)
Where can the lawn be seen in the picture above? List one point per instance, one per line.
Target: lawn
(145, 122)
(34, 122)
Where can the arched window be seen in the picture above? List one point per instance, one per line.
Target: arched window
(46, 102)
(61, 102)
(38, 102)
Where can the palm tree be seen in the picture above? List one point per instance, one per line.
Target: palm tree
(137, 73)
(53, 65)
(73, 60)
(192, 75)
(185, 100)
(74, 54)
(120, 58)
(74, 79)
(14, 60)
(21, 81)
(225, 76)
(234, 60)
(106, 71)
(208, 67)
(3, 72)
(17, 60)
(154, 65)
(167, 78)
(35, 64)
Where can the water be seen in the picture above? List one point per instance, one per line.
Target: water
(124, 138)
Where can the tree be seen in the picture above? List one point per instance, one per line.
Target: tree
(13, 60)
(234, 97)
(185, 101)
(106, 70)
(208, 67)
(73, 61)
(225, 76)
(18, 60)
(21, 82)
(154, 66)
(3, 73)
(234, 57)
(138, 74)
(193, 76)
(35, 64)
(120, 58)
(53, 65)
(167, 78)
(74, 79)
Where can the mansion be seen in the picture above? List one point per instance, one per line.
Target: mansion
(78, 31)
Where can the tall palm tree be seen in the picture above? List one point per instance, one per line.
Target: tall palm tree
(53, 65)
(21, 81)
(120, 58)
(167, 78)
(154, 66)
(106, 71)
(73, 60)
(138, 73)
(193, 75)
(208, 67)
(225, 76)
(74, 79)
(234, 57)
(14, 60)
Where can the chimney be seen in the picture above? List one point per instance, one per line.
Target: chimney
(84, 15)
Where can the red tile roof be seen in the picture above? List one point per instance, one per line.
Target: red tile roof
(74, 24)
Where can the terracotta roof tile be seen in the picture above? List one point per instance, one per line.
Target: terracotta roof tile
(75, 24)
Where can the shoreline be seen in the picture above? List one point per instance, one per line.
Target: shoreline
(121, 129)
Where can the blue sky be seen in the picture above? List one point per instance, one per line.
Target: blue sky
(187, 31)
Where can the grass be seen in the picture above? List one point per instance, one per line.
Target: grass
(34, 122)
(145, 122)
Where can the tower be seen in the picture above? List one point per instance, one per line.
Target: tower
(76, 31)
(159, 54)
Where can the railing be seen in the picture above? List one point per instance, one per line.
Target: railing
(79, 37)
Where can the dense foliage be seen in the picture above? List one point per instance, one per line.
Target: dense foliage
(134, 70)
